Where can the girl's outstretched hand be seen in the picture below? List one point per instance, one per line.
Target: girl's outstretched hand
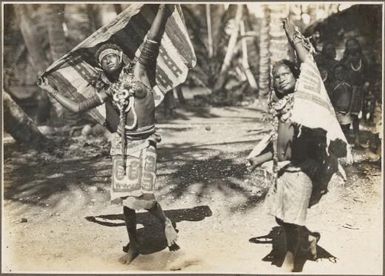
(43, 84)
(289, 28)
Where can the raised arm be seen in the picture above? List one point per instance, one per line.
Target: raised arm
(72, 106)
(296, 40)
(158, 25)
(145, 67)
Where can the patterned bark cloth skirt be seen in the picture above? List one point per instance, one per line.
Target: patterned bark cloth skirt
(133, 184)
(289, 200)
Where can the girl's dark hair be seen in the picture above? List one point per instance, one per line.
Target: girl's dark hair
(347, 51)
(325, 46)
(291, 65)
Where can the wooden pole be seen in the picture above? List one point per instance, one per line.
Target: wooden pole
(233, 40)
(245, 62)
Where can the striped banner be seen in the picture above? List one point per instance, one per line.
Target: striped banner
(76, 72)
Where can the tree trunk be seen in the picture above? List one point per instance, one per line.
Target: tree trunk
(217, 12)
(245, 60)
(209, 31)
(230, 50)
(179, 94)
(54, 22)
(20, 126)
(264, 54)
(252, 45)
(233, 40)
(58, 47)
(273, 43)
(32, 38)
(279, 46)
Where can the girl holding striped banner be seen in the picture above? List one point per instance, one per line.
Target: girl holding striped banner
(126, 89)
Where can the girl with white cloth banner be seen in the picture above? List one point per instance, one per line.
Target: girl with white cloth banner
(304, 147)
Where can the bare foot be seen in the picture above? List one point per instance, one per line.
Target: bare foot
(132, 253)
(171, 235)
(313, 239)
(288, 262)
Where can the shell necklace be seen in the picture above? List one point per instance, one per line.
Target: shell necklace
(358, 68)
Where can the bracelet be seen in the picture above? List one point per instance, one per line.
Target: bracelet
(297, 38)
(152, 41)
(53, 93)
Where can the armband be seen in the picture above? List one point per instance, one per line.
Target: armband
(90, 103)
(149, 52)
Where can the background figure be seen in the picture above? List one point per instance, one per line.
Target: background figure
(357, 70)
(340, 96)
(326, 61)
(369, 106)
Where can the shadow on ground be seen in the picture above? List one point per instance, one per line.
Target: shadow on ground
(151, 236)
(276, 237)
(202, 172)
(39, 179)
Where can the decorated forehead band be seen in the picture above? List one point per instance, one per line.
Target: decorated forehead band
(107, 52)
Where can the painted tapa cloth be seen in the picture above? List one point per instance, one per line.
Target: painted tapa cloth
(137, 176)
(77, 71)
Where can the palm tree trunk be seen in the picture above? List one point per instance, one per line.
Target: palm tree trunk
(273, 43)
(54, 20)
(217, 12)
(20, 126)
(179, 94)
(209, 31)
(264, 54)
(28, 28)
(33, 41)
(58, 47)
(279, 45)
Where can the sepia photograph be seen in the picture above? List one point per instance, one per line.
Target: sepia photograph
(182, 137)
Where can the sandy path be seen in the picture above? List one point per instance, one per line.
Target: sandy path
(204, 188)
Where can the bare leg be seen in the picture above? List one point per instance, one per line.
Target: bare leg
(131, 249)
(292, 245)
(345, 130)
(356, 130)
(169, 230)
(313, 239)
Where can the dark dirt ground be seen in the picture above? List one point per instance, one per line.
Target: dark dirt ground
(57, 216)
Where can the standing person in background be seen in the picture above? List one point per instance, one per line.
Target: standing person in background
(341, 96)
(126, 89)
(357, 76)
(326, 61)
